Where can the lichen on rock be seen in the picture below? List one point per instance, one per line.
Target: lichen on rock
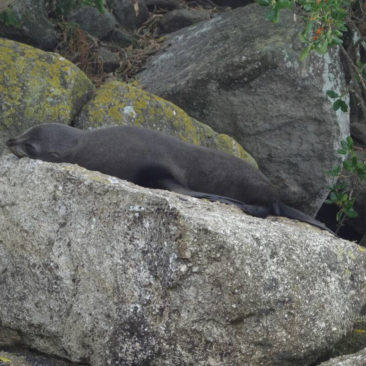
(38, 86)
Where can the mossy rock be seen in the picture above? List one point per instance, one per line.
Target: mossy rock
(38, 87)
(118, 103)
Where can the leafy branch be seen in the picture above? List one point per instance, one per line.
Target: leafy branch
(348, 174)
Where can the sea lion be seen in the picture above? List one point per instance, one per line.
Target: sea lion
(154, 160)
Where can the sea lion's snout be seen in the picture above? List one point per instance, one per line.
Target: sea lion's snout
(15, 147)
(10, 143)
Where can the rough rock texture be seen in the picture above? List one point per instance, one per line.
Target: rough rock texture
(117, 103)
(122, 38)
(92, 21)
(32, 26)
(130, 14)
(180, 18)
(164, 4)
(240, 74)
(37, 87)
(232, 3)
(109, 60)
(356, 359)
(99, 270)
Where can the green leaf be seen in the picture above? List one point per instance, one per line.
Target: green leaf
(351, 213)
(263, 2)
(302, 37)
(332, 94)
(347, 165)
(343, 197)
(308, 29)
(336, 40)
(333, 197)
(305, 52)
(343, 105)
(273, 14)
(337, 104)
(334, 172)
(322, 47)
(349, 141)
(283, 4)
(339, 216)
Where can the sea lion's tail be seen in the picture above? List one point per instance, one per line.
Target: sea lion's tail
(280, 209)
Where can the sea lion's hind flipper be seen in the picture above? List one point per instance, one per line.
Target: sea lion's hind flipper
(160, 177)
(293, 213)
(258, 211)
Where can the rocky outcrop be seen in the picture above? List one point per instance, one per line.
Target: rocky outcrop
(32, 25)
(92, 21)
(98, 270)
(117, 103)
(240, 74)
(37, 87)
(180, 18)
(130, 14)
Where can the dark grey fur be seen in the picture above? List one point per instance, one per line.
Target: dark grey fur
(152, 159)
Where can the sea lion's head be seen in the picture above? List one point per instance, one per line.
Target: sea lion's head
(49, 142)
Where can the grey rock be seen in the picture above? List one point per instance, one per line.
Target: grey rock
(163, 4)
(232, 3)
(97, 269)
(355, 359)
(33, 26)
(125, 13)
(180, 18)
(109, 60)
(122, 38)
(93, 22)
(243, 78)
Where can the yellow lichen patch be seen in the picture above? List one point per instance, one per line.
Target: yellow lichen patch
(39, 86)
(351, 255)
(359, 331)
(118, 103)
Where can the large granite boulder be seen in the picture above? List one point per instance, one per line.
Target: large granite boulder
(240, 74)
(98, 270)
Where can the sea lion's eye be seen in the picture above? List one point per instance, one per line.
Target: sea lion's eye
(29, 148)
